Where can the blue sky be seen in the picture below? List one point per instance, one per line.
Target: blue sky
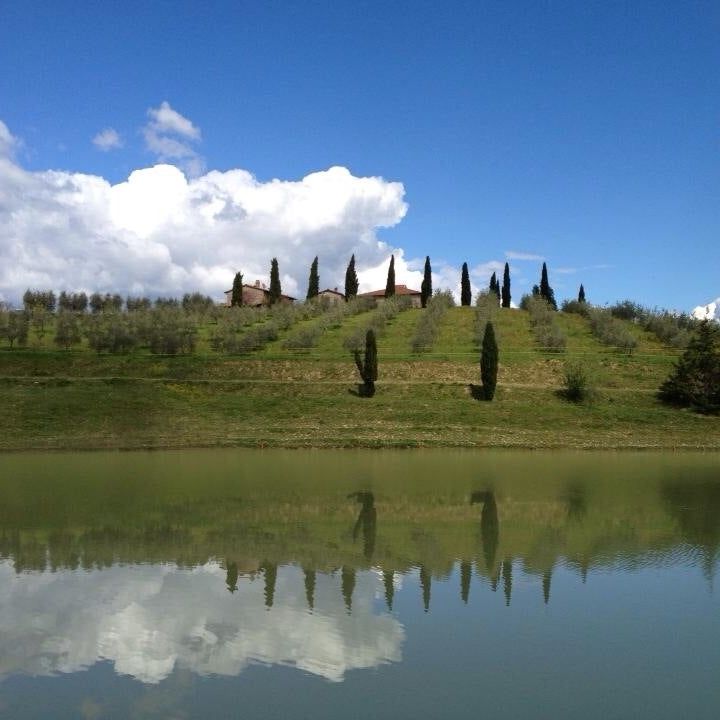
(583, 133)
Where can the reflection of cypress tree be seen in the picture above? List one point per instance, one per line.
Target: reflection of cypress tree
(489, 526)
(494, 580)
(507, 580)
(547, 577)
(584, 570)
(348, 585)
(270, 574)
(310, 587)
(576, 502)
(231, 577)
(388, 581)
(366, 521)
(425, 582)
(465, 575)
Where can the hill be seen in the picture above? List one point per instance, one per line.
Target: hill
(282, 395)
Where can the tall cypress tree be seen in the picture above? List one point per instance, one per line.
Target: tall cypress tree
(465, 292)
(275, 289)
(351, 280)
(313, 280)
(489, 362)
(546, 291)
(506, 287)
(581, 294)
(426, 287)
(236, 299)
(390, 284)
(367, 365)
(493, 283)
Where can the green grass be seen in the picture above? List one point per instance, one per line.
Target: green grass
(277, 397)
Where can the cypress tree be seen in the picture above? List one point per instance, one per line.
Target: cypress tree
(314, 280)
(426, 287)
(236, 299)
(506, 287)
(489, 362)
(546, 291)
(275, 289)
(465, 292)
(493, 283)
(465, 577)
(390, 285)
(581, 294)
(351, 280)
(367, 365)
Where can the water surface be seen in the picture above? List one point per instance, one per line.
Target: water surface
(216, 584)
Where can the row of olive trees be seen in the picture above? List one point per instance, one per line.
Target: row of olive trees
(428, 324)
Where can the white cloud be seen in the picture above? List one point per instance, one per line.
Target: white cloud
(107, 139)
(64, 622)
(169, 136)
(162, 233)
(8, 142)
(513, 255)
(711, 311)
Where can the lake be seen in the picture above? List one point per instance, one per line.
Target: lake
(356, 584)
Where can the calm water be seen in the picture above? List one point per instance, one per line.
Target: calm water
(274, 584)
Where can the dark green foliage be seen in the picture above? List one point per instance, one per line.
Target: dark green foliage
(197, 303)
(535, 290)
(351, 280)
(546, 291)
(505, 293)
(73, 302)
(695, 379)
(576, 307)
(137, 304)
(426, 287)
(367, 364)
(465, 291)
(236, 298)
(275, 290)
(581, 294)
(626, 310)
(489, 362)
(105, 303)
(167, 302)
(313, 280)
(39, 298)
(493, 283)
(390, 284)
(67, 329)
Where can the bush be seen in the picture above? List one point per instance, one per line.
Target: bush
(575, 307)
(547, 333)
(110, 332)
(576, 382)
(67, 329)
(611, 331)
(428, 324)
(626, 310)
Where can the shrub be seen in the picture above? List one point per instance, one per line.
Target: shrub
(489, 362)
(543, 323)
(110, 332)
(626, 310)
(611, 331)
(575, 307)
(429, 322)
(576, 382)
(67, 330)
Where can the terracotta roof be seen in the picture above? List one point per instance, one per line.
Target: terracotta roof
(332, 292)
(264, 289)
(399, 290)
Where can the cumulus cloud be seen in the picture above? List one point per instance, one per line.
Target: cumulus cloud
(107, 139)
(8, 143)
(711, 311)
(161, 232)
(169, 136)
(67, 621)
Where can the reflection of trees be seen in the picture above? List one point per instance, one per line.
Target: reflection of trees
(547, 579)
(425, 582)
(507, 580)
(270, 574)
(695, 506)
(465, 576)
(348, 585)
(489, 526)
(231, 577)
(366, 522)
(576, 501)
(309, 587)
(389, 582)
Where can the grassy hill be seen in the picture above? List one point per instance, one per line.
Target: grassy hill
(275, 396)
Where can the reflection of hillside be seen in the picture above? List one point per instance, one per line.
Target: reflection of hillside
(525, 524)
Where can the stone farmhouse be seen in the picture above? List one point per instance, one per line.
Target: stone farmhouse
(400, 291)
(256, 295)
(334, 296)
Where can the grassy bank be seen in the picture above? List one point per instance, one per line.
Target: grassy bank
(274, 397)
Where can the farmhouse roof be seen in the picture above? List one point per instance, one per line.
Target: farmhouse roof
(399, 290)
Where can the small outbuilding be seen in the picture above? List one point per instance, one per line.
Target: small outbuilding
(400, 291)
(256, 295)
